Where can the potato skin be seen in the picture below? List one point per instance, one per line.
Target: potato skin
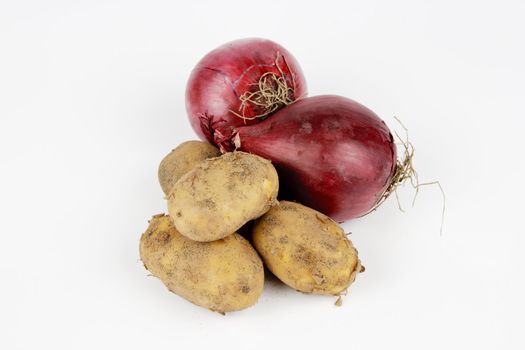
(305, 249)
(181, 160)
(221, 194)
(223, 276)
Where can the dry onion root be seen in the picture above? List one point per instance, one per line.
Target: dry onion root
(271, 94)
(405, 171)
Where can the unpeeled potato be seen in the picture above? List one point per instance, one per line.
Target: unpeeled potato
(221, 194)
(305, 249)
(181, 160)
(224, 275)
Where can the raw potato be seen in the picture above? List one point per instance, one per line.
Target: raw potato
(305, 249)
(181, 160)
(225, 275)
(221, 194)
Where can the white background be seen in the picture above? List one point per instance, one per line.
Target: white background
(92, 97)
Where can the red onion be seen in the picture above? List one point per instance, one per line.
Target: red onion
(241, 83)
(332, 154)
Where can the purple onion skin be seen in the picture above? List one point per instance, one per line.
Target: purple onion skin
(332, 154)
(223, 75)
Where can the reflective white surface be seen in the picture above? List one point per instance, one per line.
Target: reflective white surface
(92, 98)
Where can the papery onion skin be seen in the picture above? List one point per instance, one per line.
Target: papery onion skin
(223, 75)
(332, 154)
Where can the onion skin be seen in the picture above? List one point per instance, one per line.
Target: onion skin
(332, 154)
(225, 74)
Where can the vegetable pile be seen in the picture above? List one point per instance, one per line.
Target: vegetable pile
(275, 172)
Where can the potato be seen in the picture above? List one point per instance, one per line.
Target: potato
(225, 275)
(305, 249)
(182, 159)
(221, 194)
